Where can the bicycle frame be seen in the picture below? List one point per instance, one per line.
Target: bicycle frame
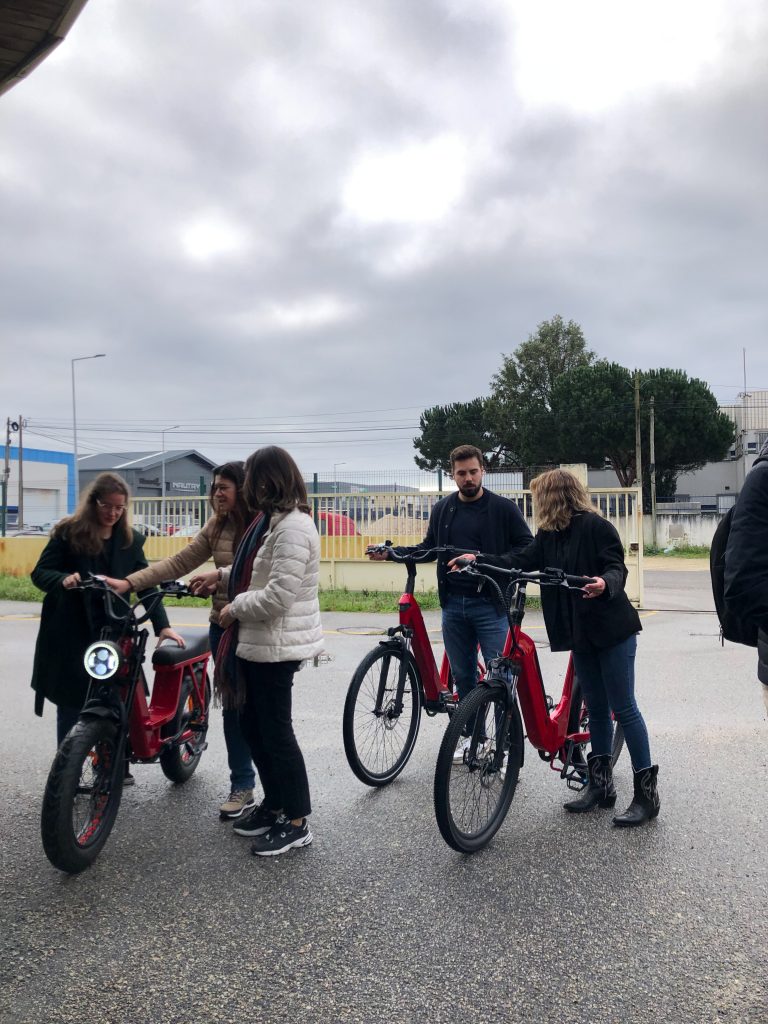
(124, 698)
(546, 729)
(437, 694)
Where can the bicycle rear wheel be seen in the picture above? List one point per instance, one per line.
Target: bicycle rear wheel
(475, 781)
(382, 714)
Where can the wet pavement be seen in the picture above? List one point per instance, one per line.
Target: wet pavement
(561, 919)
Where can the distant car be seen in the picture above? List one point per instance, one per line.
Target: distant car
(147, 528)
(185, 531)
(334, 524)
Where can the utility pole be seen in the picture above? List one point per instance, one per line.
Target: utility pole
(6, 475)
(652, 457)
(638, 452)
(21, 472)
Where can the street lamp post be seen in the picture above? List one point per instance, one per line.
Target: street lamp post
(78, 359)
(162, 479)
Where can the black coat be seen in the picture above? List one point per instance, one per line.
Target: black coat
(746, 557)
(593, 548)
(68, 623)
(506, 530)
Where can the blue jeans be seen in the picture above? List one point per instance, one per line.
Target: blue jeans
(241, 771)
(607, 680)
(469, 620)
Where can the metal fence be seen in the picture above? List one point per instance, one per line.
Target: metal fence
(348, 522)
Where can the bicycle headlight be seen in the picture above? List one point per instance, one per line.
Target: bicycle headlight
(102, 660)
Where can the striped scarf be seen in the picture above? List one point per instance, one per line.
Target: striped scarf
(228, 681)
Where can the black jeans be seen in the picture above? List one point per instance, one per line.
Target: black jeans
(266, 723)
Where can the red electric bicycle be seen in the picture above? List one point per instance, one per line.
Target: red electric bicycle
(117, 725)
(393, 683)
(473, 792)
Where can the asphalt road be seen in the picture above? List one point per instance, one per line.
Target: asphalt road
(561, 919)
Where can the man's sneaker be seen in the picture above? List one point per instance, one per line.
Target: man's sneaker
(458, 754)
(238, 802)
(258, 822)
(281, 837)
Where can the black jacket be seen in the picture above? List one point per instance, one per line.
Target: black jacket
(67, 622)
(506, 530)
(746, 557)
(594, 548)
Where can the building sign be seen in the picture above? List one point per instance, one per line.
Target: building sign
(144, 482)
(185, 485)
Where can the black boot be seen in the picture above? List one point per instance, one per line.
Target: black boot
(599, 791)
(645, 803)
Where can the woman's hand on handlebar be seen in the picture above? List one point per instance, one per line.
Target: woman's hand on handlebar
(119, 586)
(460, 561)
(71, 581)
(170, 634)
(595, 588)
(205, 584)
(377, 552)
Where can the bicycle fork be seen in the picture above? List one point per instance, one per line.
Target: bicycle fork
(389, 700)
(503, 675)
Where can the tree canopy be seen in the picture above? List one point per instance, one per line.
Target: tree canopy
(552, 401)
(521, 392)
(445, 427)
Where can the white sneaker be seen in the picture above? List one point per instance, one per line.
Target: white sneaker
(464, 745)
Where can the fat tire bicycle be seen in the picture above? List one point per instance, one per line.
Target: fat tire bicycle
(394, 683)
(482, 751)
(117, 725)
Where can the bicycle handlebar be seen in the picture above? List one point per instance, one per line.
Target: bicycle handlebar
(173, 588)
(549, 577)
(424, 555)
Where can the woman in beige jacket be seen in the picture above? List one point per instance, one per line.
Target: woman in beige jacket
(215, 542)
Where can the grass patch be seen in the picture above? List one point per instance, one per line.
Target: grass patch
(18, 588)
(372, 600)
(21, 588)
(682, 552)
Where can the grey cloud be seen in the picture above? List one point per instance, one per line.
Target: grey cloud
(645, 223)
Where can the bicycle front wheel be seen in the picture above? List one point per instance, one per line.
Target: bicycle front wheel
(382, 713)
(82, 795)
(477, 768)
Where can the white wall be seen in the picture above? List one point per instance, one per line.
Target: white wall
(681, 529)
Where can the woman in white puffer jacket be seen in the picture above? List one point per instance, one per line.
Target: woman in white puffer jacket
(278, 618)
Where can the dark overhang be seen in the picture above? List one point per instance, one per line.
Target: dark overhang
(29, 31)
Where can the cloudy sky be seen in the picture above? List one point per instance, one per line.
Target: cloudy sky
(304, 222)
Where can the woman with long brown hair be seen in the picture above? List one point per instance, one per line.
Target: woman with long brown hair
(216, 542)
(273, 620)
(96, 539)
(600, 629)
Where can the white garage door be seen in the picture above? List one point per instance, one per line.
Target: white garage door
(41, 505)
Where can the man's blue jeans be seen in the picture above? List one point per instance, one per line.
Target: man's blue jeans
(241, 771)
(607, 680)
(469, 621)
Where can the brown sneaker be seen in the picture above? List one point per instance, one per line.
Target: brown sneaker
(238, 802)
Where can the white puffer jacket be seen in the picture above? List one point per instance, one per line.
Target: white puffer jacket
(280, 615)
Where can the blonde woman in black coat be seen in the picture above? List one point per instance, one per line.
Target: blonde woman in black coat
(600, 629)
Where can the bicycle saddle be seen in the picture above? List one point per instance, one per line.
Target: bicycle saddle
(170, 654)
